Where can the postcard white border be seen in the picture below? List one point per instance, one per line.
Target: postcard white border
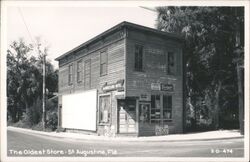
(6, 4)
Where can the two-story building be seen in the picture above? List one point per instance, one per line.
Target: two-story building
(127, 80)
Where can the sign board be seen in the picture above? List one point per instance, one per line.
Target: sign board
(110, 87)
(145, 97)
(162, 87)
(79, 115)
(167, 87)
(115, 86)
(156, 86)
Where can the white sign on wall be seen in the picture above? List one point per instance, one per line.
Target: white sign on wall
(156, 86)
(79, 110)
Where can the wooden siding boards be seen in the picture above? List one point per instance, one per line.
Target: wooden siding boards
(154, 71)
(116, 69)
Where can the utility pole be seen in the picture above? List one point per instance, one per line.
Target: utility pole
(44, 92)
(240, 73)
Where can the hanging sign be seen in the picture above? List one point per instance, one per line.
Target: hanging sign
(115, 86)
(144, 97)
(156, 86)
(167, 87)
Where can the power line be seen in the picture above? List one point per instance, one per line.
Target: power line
(148, 8)
(44, 71)
(21, 14)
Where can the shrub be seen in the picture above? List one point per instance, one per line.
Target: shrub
(52, 114)
(52, 120)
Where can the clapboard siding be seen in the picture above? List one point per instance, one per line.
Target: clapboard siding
(154, 64)
(119, 44)
(116, 69)
(154, 71)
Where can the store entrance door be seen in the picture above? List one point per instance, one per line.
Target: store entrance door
(145, 128)
(127, 116)
(144, 113)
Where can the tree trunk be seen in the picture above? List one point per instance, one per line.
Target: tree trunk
(217, 106)
(14, 114)
(26, 107)
(241, 98)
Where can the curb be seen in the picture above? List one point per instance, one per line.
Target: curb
(121, 139)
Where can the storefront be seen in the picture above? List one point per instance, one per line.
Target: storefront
(128, 81)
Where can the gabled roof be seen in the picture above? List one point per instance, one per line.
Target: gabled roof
(117, 27)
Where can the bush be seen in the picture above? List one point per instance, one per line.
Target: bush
(52, 114)
(200, 125)
(32, 119)
(23, 123)
(52, 120)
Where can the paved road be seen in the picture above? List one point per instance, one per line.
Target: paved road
(23, 144)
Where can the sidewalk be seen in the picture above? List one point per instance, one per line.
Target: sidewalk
(211, 135)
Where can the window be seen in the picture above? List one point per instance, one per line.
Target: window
(70, 78)
(79, 71)
(170, 63)
(155, 109)
(138, 58)
(167, 107)
(87, 70)
(103, 63)
(161, 108)
(104, 109)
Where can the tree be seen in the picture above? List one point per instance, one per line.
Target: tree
(24, 82)
(209, 51)
(17, 66)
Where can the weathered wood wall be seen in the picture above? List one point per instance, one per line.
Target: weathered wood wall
(120, 49)
(114, 45)
(116, 67)
(154, 71)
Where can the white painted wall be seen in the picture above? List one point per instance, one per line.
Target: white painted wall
(79, 110)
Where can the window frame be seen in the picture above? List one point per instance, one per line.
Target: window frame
(153, 116)
(100, 111)
(85, 74)
(167, 108)
(168, 63)
(79, 70)
(104, 63)
(70, 74)
(153, 108)
(139, 58)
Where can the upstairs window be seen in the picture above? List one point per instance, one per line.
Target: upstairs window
(87, 70)
(170, 63)
(138, 57)
(79, 71)
(70, 77)
(103, 63)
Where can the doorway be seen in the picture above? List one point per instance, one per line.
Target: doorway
(144, 113)
(126, 116)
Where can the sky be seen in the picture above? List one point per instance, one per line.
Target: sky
(63, 28)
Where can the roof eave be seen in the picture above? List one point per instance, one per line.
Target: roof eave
(116, 27)
(92, 40)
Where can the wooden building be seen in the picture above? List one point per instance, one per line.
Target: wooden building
(126, 81)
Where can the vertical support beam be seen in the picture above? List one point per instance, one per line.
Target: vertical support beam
(184, 89)
(125, 61)
(240, 96)
(137, 117)
(240, 73)
(161, 111)
(44, 91)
